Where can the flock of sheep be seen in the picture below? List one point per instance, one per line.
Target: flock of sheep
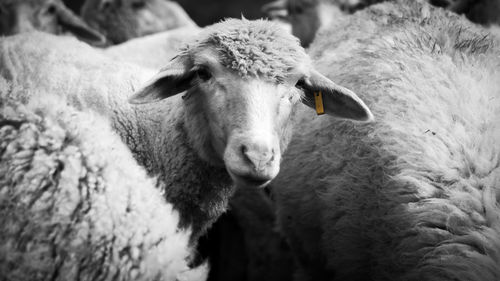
(136, 145)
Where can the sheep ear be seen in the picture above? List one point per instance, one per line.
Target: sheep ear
(71, 22)
(327, 97)
(173, 79)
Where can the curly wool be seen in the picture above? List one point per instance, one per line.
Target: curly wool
(252, 48)
(74, 204)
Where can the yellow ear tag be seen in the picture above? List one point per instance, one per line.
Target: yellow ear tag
(318, 101)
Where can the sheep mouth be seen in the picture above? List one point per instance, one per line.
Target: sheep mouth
(251, 181)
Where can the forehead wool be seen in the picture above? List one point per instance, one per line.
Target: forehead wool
(253, 48)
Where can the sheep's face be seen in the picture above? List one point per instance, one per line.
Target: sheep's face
(248, 119)
(305, 16)
(238, 109)
(17, 16)
(121, 20)
(305, 20)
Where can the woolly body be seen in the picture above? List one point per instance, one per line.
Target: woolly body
(76, 205)
(415, 194)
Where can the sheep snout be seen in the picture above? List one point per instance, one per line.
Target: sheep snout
(252, 161)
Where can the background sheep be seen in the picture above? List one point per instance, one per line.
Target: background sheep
(308, 16)
(415, 194)
(232, 124)
(75, 205)
(152, 51)
(304, 16)
(50, 16)
(206, 14)
(122, 20)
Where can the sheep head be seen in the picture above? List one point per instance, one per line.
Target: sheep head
(305, 16)
(50, 16)
(242, 81)
(121, 20)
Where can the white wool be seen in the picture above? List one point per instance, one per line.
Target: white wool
(72, 192)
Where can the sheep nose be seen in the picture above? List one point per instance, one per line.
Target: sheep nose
(259, 155)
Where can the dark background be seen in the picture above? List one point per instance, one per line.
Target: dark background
(210, 11)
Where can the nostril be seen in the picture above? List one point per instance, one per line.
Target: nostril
(246, 155)
(244, 149)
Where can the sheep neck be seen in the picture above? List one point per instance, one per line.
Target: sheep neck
(199, 190)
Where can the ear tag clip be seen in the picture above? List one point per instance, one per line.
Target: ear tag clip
(318, 101)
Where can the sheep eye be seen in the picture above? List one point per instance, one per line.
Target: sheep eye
(51, 9)
(300, 84)
(203, 74)
(138, 4)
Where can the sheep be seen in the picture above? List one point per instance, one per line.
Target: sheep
(121, 20)
(242, 244)
(75, 205)
(308, 16)
(414, 195)
(51, 16)
(242, 81)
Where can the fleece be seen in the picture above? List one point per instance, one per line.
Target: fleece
(415, 194)
(75, 205)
